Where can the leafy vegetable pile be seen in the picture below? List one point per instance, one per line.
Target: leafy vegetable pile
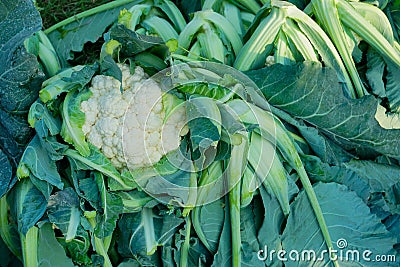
(206, 133)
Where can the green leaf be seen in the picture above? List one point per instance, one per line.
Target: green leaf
(135, 200)
(375, 72)
(18, 69)
(380, 177)
(20, 82)
(223, 257)
(323, 172)
(97, 161)
(197, 253)
(8, 258)
(73, 120)
(6, 175)
(50, 252)
(204, 123)
(133, 43)
(63, 211)
(393, 87)
(349, 222)
(27, 204)
(36, 159)
(312, 93)
(248, 232)
(208, 221)
(71, 37)
(144, 231)
(269, 234)
(111, 208)
(78, 248)
(16, 125)
(89, 191)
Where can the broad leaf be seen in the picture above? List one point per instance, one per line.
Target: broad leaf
(72, 37)
(63, 211)
(208, 221)
(269, 234)
(78, 248)
(248, 232)
(18, 69)
(97, 161)
(346, 216)
(198, 255)
(36, 159)
(143, 232)
(223, 257)
(50, 252)
(313, 94)
(393, 87)
(20, 82)
(73, 120)
(132, 42)
(111, 208)
(5, 173)
(27, 204)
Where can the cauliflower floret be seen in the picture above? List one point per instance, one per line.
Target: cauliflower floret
(128, 127)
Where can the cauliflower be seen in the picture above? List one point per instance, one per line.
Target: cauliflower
(131, 128)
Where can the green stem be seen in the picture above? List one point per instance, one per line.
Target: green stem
(88, 13)
(234, 210)
(75, 155)
(186, 244)
(5, 228)
(100, 245)
(317, 211)
(29, 243)
(236, 167)
(101, 250)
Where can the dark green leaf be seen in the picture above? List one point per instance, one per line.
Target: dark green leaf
(143, 232)
(20, 82)
(313, 94)
(78, 248)
(72, 37)
(208, 221)
(18, 69)
(50, 252)
(223, 257)
(90, 191)
(269, 234)
(198, 255)
(248, 233)
(375, 72)
(111, 205)
(63, 211)
(346, 216)
(27, 204)
(380, 177)
(36, 159)
(393, 87)
(6, 175)
(320, 171)
(132, 42)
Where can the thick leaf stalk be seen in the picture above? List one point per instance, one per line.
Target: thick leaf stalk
(235, 170)
(327, 14)
(29, 244)
(271, 127)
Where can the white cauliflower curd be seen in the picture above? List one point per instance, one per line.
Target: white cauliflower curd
(131, 128)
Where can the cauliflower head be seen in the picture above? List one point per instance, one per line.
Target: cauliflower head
(132, 127)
